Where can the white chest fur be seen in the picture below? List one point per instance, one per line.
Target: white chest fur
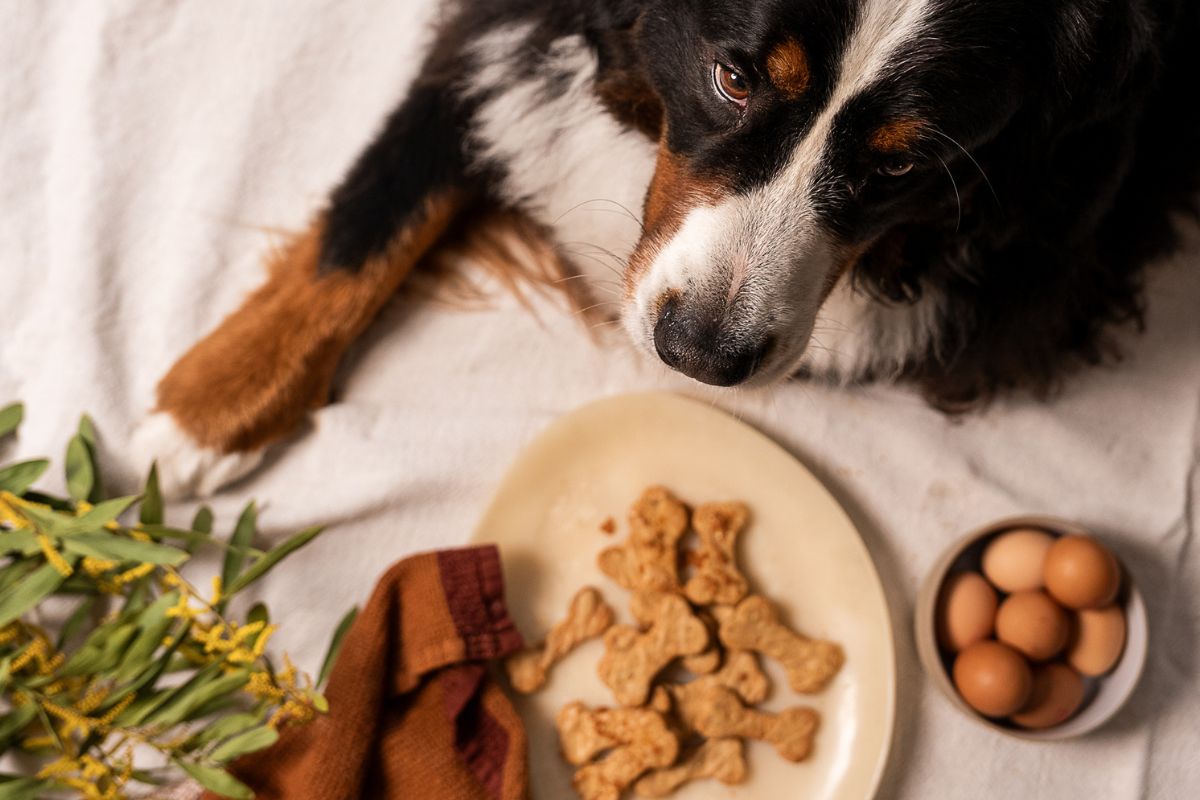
(565, 160)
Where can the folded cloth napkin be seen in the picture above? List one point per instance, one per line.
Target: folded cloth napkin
(413, 712)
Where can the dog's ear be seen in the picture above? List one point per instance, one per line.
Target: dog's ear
(622, 81)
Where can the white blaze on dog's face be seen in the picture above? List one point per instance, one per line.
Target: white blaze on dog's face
(790, 148)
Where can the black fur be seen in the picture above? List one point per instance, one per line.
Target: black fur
(1070, 132)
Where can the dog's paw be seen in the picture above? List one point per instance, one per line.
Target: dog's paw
(186, 468)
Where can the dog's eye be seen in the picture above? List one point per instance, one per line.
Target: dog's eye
(731, 84)
(896, 167)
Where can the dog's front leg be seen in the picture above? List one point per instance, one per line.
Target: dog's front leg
(254, 379)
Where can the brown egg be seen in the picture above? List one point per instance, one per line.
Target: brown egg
(1014, 561)
(1056, 695)
(1033, 624)
(992, 678)
(1098, 640)
(966, 610)
(1081, 573)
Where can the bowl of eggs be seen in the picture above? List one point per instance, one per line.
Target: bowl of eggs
(1032, 627)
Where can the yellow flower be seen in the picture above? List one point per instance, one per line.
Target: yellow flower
(116, 710)
(93, 699)
(134, 573)
(53, 556)
(216, 590)
(95, 567)
(35, 650)
(72, 719)
(10, 633)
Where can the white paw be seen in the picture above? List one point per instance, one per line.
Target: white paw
(185, 468)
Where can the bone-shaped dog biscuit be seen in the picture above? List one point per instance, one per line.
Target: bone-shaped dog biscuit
(755, 625)
(631, 658)
(743, 675)
(720, 759)
(649, 557)
(588, 617)
(715, 712)
(717, 579)
(637, 740)
(608, 778)
(586, 732)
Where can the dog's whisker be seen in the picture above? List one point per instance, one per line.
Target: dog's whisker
(623, 211)
(957, 196)
(966, 153)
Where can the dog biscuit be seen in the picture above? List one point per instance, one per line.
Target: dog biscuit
(715, 712)
(723, 760)
(631, 658)
(585, 733)
(636, 740)
(717, 580)
(588, 617)
(755, 625)
(649, 557)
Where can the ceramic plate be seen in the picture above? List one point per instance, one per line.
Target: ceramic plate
(800, 549)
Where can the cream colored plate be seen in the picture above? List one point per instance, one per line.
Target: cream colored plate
(800, 550)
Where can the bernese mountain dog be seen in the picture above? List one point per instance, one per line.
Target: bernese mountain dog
(958, 193)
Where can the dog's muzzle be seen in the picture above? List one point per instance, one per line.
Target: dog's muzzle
(711, 347)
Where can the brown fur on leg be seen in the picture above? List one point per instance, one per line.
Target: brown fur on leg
(255, 378)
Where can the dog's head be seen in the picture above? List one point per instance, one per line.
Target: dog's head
(797, 133)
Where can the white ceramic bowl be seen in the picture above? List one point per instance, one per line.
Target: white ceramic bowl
(1103, 696)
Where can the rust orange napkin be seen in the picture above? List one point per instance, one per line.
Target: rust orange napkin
(412, 710)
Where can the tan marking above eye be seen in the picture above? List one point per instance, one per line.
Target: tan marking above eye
(787, 66)
(897, 136)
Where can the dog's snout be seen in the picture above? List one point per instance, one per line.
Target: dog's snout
(699, 346)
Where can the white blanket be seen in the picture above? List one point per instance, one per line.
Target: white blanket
(149, 147)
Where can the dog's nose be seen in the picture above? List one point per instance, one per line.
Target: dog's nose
(695, 345)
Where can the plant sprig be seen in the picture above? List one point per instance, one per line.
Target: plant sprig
(144, 660)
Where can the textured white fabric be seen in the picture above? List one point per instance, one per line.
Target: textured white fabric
(148, 147)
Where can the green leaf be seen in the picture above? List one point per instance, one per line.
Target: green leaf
(141, 710)
(47, 521)
(193, 538)
(153, 624)
(203, 521)
(273, 556)
(241, 538)
(102, 514)
(151, 512)
(217, 780)
(223, 728)
(10, 418)
(81, 471)
(23, 541)
(14, 722)
(101, 651)
(118, 548)
(196, 694)
(22, 596)
(335, 645)
(74, 622)
(202, 525)
(16, 478)
(25, 788)
(258, 613)
(87, 430)
(16, 571)
(149, 675)
(249, 741)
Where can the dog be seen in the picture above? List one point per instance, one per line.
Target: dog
(956, 193)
